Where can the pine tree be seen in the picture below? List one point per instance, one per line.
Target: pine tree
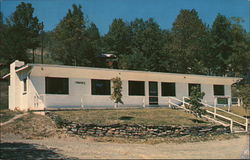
(73, 40)
(118, 39)
(221, 44)
(20, 34)
(188, 46)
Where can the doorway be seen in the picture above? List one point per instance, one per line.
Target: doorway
(153, 93)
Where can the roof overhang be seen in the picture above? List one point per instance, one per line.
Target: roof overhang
(18, 70)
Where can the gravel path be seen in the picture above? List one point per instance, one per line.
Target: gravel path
(89, 149)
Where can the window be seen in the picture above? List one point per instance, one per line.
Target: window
(167, 89)
(136, 88)
(25, 85)
(100, 87)
(193, 85)
(219, 90)
(56, 85)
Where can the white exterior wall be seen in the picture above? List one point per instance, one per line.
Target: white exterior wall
(80, 94)
(228, 91)
(15, 88)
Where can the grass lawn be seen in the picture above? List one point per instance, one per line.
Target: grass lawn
(6, 115)
(146, 116)
(239, 110)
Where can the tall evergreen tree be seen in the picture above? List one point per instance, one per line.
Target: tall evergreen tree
(20, 34)
(239, 61)
(189, 42)
(118, 39)
(93, 44)
(72, 45)
(147, 43)
(222, 39)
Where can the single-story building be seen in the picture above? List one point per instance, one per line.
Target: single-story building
(41, 86)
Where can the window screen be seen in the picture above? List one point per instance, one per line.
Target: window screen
(56, 85)
(168, 89)
(136, 88)
(100, 87)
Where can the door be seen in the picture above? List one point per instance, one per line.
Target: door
(153, 93)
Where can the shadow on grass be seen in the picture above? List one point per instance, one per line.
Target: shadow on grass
(126, 118)
(198, 121)
(28, 151)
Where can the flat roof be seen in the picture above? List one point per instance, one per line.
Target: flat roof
(119, 70)
(124, 70)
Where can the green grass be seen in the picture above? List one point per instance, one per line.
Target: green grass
(152, 116)
(6, 115)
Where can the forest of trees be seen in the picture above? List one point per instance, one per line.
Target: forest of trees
(190, 46)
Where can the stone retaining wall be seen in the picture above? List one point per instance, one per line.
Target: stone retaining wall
(137, 131)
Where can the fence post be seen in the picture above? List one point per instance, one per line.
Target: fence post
(231, 126)
(229, 100)
(238, 101)
(246, 124)
(144, 102)
(82, 103)
(169, 102)
(215, 103)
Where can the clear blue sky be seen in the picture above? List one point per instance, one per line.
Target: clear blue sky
(102, 12)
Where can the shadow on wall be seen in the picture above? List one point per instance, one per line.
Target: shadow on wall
(28, 151)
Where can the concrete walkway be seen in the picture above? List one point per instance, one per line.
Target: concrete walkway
(13, 119)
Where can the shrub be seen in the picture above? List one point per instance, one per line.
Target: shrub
(195, 102)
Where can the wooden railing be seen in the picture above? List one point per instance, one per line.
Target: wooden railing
(215, 114)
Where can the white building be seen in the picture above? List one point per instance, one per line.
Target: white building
(41, 86)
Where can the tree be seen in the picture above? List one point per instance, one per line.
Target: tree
(238, 62)
(135, 61)
(221, 48)
(20, 34)
(92, 45)
(195, 102)
(147, 43)
(73, 40)
(117, 89)
(188, 46)
(118, 39)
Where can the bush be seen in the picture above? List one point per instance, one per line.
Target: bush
(195, 102)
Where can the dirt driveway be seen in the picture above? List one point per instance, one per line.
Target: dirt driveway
(73, 148)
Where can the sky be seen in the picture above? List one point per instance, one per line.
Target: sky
(103, 12)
